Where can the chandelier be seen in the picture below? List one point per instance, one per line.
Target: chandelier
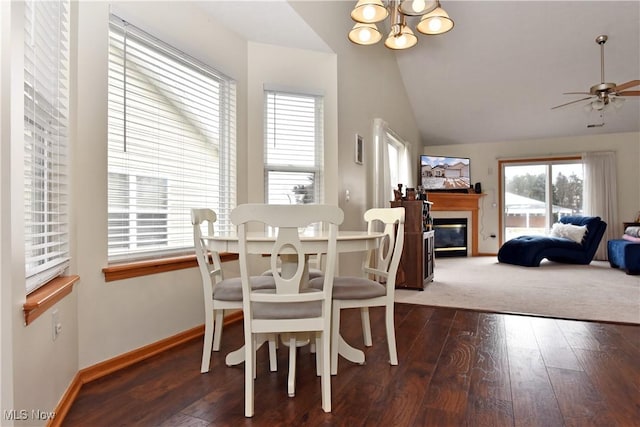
(366, 13)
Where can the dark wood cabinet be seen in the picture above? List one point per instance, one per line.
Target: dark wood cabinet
(416, 264)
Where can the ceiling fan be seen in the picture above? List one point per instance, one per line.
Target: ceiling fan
(604, 94)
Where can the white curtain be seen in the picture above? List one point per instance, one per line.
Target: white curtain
(600, 194)
(382, 180)
(383, 138)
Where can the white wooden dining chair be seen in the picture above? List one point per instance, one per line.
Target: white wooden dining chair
(377, 285)
(220, 294)
(315, 267)
(290, 308)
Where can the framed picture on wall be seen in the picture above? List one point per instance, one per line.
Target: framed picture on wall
(359, 153)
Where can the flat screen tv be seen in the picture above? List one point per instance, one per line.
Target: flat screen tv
(439, 173)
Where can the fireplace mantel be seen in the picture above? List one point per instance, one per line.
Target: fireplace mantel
(467, 202)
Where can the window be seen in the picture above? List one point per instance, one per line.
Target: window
(46, 107)
(399, 166)
(171, 145)
(293, 147)
(537, 193)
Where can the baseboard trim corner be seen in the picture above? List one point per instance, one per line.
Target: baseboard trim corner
(125, 360)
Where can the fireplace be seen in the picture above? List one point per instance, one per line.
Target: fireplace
(450, 237)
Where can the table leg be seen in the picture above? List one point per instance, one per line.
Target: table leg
(236, 357)
(350, 353)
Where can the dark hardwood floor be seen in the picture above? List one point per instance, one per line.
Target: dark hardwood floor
(456, 368)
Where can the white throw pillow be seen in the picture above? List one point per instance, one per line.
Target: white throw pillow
(569, 231)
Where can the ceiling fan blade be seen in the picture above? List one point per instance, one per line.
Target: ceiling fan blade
(626, 85)
(577, 93)
(572, 102)
(629, 93)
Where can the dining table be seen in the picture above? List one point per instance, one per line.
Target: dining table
(313, 242)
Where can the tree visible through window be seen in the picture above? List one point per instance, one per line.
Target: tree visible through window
(293, 148)
(537, 194)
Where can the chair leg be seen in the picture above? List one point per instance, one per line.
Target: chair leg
(291, 385)
(255, 347)
(273, 357)
(325, 379)
(366, 326)
(391, 334)
(335, 331)
(316, 346)
(217, 332)
(249, 373)
(208, 341)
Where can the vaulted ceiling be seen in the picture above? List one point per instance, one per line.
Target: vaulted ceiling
(497, 74)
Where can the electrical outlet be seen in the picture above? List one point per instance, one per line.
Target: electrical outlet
(56, 326)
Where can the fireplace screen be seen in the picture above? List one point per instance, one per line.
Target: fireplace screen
(450, 237)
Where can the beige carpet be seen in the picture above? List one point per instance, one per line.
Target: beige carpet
(583, 292)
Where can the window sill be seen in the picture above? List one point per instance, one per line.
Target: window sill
(144, 268)
(44, 297)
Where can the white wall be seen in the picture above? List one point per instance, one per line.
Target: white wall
(484, 169)
(6, 360)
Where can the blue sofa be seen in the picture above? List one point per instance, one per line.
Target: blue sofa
(528, 251)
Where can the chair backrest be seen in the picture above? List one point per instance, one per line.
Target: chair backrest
(383, 263)
(595, 230)
(208, 264)
(287, 221)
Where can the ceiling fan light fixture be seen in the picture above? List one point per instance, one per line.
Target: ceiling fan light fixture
(598, 104)
(617, 102)
(369, 11)
(435, 22)
(365, 34)
(604, 96)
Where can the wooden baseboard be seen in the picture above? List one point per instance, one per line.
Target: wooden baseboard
(110, 366)
(67, 400)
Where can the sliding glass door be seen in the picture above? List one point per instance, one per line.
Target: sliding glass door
(537, 193)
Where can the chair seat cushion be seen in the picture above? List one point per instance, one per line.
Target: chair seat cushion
(313, 273)
(298, 310)
(231, 289)
(352, 287)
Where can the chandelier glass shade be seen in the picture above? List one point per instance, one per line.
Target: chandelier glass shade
(435, 22)
(365, 34)
(367, 13)
(401, 37)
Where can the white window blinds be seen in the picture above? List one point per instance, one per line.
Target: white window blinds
(293, 145)
(46, 105)
(171, 145)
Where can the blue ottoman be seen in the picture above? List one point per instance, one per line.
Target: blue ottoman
(625, 255)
